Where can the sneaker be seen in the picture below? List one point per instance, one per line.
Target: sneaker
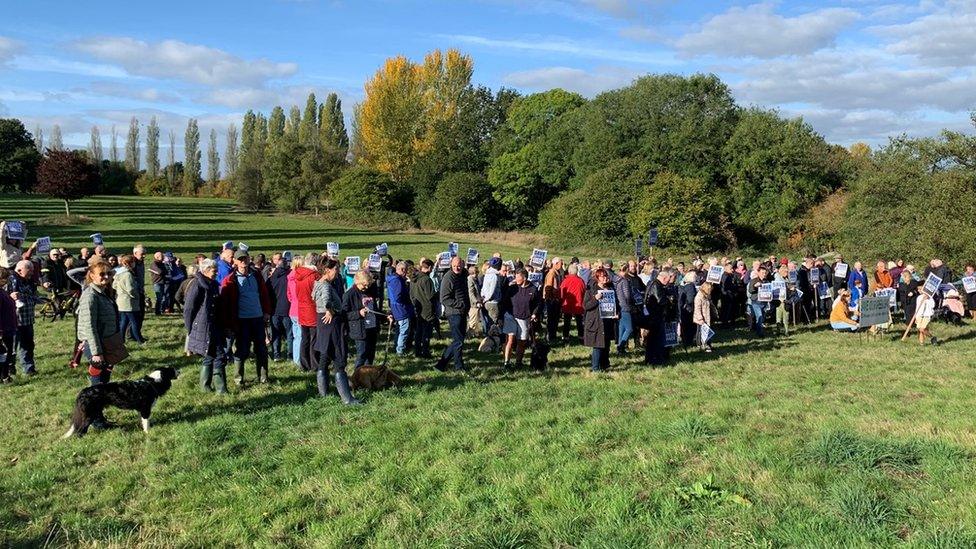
(440, 365)
(507, 365)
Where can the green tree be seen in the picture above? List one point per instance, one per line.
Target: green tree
(309, 126)
(95, 147)
(687, 214)
(332, 126)
(132, 147)
(276, 125)
(366, 189)
(462, 203)
(18, 157)
(191, 162)
(152, 148)
(294, 121)
(281, 174)
(230, 152)
(213, 161)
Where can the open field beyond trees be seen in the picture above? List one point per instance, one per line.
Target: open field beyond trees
(811, 439)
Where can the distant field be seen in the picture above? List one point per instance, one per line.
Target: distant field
(814, 439)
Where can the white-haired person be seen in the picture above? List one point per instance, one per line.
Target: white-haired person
(205, 334)
(23, 290)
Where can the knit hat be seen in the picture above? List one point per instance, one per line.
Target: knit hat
(495, 263)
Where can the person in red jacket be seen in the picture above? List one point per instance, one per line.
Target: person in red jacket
(245, 308)
(305, 277)
(571, 297)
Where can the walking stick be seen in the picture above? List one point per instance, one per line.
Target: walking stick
(912, 323)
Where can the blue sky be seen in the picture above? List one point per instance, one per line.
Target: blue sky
(856, 70)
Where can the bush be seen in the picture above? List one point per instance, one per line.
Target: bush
(377, 220)
(152, 186)
(362, 188)
(686, 212)
(462, 202)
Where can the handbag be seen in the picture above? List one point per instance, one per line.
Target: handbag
(113, 349)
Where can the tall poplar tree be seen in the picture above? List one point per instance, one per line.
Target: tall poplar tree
(39, 139)
(95, 147)
(171, 163)
(332, 126)
(294, 121)
(247, 133)
(276, 125)
(191, 162)
(56, 143)
(152, 148)
(113, 152)
(132, 147)
(230, 152)
(309, 126)
(213, 161)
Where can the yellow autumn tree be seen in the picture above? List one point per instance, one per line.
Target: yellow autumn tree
(405, 104)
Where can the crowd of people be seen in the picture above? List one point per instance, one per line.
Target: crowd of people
(320, 313)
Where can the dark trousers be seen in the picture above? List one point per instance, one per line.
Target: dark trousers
(141, 311)
(422, 333)
(568, 321)
(454, 350)
(281, 336)
(161, 296)
(6, 355)
(129, 323)
(553, 312)
(366, 349)
(250, 333)
(655, 352)
(24, 342)
(307, 359)
(600, 359)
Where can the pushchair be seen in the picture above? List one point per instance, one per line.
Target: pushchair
(952, 310)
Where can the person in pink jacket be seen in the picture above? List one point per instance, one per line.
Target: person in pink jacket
(296, 328)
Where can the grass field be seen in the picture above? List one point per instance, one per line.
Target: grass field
(814, 439)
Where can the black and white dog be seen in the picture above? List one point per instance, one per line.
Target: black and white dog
(139, 395)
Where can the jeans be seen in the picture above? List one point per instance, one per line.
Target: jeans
(625, 329)
(455, 348)
(251, 333)
(422, 333)
(296, 341)
(129, 321)
(24, 342)
(308, 361)
(843, 327)
(160, 291)
(758, 311)
(366, 349)
(281, 336)
(600, 360)
(403, 328)
(568, 321)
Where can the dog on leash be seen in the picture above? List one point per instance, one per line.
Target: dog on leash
(374, 378)
(139, 395)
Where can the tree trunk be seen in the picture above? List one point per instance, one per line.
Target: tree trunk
(67, 209)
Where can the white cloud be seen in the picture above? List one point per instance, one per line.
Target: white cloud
(945, 38)
(757, 31)
(873, 126)
(577, 80)
(564, 46)
(8, 49)
(265, 98)
(178, 60)
(41, 63)
(117, 89)
(617, 8)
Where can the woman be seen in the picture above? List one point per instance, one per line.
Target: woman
(98, 319)
(907, 292)
(474, 298)
(205, 336)
(304, 283)
(598, 331)
(840, 315)
(686, 308)
(330, 332)
(296, 328)
(8, 329)
(521, 305)
(127, 299)
(703, 315)
(359, 309)
(971, 298)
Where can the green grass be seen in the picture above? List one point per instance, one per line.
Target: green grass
(814, 439)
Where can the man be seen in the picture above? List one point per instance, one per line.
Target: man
(23, 291)
(84, 255)
(400, 306)
(225, 264)
(584, 271)
(757, 307)
(552, 298)
(281, 332)
(625, 328)
(425, 304)
(158, 272)
(262, 266)
(455, 303)
(245, 307)
(658, 307)
(806, 285)
(139, 275)
(53, 276)
(571, 292)
(491, 293)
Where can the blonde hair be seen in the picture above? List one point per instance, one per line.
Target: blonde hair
(363, 277)
(297, 261)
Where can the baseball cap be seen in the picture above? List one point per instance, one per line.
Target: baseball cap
(229, 245)
(495, 263)
(240, 254)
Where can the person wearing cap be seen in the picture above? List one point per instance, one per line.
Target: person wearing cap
(282, 337)
(245, 307)
(205, 335)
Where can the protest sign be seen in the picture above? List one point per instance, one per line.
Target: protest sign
(511, 267)
(452, 248)
(472, 257)
(889, 293)
(874, 311)
(535, 277)
(715, 274)
(538, 259)
(16, 230)
(44, 244)
(840, 270)
(242, 247)
(814, 276)
(382, 249)
(97, 239)
(652, 237)
(824, 290)
(369, 321)
(779, 289)
(444, 261)
(608, 304)
(332, 248)
(765, 293)
(707, 333)
(932, 284)
(969, 284)
(352, 264)
(793, 277)
(374, 262)
(670, 334)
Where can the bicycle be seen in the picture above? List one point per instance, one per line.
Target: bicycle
(57, 305)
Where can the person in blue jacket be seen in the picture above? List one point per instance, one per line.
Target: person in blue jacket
(400, 305)
(225, 263)
(857, 273)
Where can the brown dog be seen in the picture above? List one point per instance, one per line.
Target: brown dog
(374, 378)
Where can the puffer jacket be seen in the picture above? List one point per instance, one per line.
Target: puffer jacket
(304, 283)
(126, 294)
(200, 315)
(98, 317)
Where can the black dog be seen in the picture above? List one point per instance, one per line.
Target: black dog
(139, 395)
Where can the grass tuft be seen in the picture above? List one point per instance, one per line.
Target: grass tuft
(844, 448)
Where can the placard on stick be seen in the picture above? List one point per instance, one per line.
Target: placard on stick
(44, 244)
(538, 259)
(16, 230)
(765, 294)
(472, 258)
(715, 274)
(374, 262)
(332, 248)
(840, 270)
(932, 284)
(352, 264)
(969, 284)
(444, 261)
(608, 304)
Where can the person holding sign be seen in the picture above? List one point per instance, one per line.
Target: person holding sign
(840, 315)
(12, 235)
(359, 308)
(969, 286)
(521, 305)
(598, 327)
(757, 307)
(925, 310)
(703, 316)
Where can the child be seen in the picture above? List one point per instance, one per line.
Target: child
(924, 310)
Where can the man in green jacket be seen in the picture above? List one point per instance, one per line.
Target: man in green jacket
(424, 298)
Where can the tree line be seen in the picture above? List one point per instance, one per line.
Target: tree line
(430, 148)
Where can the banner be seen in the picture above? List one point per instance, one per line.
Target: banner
(608, 304)
(44, 245)
(472, 257)
(374, 262)
(382, 249)
(840, 270)
(874, 311)
(16, 230)
(932, 284)
(670, 334)
(97, 239)
(715, 274)
(969, 284)
(444, 261)
(352, 265)
(538, 259)
(332, 248)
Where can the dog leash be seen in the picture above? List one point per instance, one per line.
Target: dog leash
(386, 348)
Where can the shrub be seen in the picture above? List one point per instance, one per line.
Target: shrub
(462, 202)
(363, 188)
(152, 186)
(685, 210)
